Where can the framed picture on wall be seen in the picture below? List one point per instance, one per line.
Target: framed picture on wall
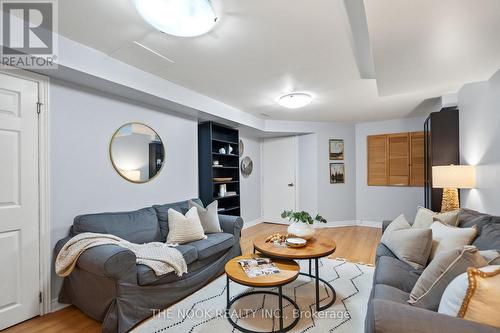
(336, 149)
(337, 173)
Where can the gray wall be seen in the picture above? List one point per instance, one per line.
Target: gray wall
(377, 203)
(251, 185)
(83, 180)
(335, 202)
(479, 105)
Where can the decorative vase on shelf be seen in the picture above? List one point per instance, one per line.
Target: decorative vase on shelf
(303, 223)
(301, 229)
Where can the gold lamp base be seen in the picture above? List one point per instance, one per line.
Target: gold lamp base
(450, 200)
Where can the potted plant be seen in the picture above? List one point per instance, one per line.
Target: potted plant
(302, 225)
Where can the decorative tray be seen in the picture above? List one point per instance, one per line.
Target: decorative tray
(223, 179)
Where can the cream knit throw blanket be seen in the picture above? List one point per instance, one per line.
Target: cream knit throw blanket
(160, 257)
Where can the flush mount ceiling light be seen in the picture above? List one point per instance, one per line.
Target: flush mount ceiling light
(295, 100)
(183, 18)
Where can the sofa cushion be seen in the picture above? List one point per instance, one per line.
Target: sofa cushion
(395, 273)
(146, 275)
(213, 244)
(489, 239)
(469, 218)
(388, 293)
(162, 212)
(140, 226)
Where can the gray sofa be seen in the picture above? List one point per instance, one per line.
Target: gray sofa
(388, 311)
(110, 287)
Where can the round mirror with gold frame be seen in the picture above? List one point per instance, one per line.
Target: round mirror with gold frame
(137, 152)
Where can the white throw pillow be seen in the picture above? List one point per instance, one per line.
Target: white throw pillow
(208, 216)
(425, 217)
(184, 229)
(454, 294)
(445, 237)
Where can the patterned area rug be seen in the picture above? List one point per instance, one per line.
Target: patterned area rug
(204, 311)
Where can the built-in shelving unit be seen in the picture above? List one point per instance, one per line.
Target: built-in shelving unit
(211, 138)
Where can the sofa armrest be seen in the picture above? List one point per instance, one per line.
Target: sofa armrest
(110, 261)
(231, 224)
(392, 317)
(385, 224)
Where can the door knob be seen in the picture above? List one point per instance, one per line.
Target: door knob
(290, 185)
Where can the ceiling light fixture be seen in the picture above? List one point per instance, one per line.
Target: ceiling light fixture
(295, 100)
(183, 18)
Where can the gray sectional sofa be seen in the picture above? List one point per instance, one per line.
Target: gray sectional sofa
(388, 311)
(110, 287)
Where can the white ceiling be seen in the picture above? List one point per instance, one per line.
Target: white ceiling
(261, 49)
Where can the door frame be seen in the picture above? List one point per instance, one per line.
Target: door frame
(44, 198)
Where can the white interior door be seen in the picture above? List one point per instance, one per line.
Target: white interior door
(279, 180)
(19, 237)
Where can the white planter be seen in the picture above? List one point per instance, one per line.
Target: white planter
(301, 229)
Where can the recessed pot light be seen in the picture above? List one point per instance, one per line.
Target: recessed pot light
(183, 18)
(295, 100)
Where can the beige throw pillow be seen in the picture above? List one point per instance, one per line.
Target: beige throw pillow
(184, 229)
(410, 245)
(445, 237)
(425, 217)
(208, 216)
(441, 271)
(455, 294)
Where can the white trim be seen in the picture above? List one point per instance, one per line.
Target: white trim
(371, 224)
(248, 224)
(45, 197)
(334, 224)
(330, 224)
(56, 306)
(349, 223)
(296, 172)
(44, 183)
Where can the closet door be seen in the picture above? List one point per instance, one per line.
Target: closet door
(398, 159)
(377, 160)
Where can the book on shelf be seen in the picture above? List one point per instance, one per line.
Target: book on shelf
(255, 267)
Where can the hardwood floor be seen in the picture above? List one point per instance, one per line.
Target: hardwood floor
(357, 244)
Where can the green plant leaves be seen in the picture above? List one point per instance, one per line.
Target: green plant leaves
(302, 216)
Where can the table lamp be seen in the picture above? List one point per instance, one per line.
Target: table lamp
(450, 178)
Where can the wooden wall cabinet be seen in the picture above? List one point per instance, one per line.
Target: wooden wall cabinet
(396, 159)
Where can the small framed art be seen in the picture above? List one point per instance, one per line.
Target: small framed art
(337, 173)
(336, 151)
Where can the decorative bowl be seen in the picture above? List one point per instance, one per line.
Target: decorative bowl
(296, 242)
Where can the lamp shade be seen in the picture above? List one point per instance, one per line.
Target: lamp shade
(453, 176)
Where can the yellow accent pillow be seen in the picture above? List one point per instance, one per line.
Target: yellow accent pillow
(482, 299)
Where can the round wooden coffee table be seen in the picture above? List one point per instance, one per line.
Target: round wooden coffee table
(289, 271)
(318, 247)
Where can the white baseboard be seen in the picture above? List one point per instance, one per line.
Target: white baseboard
(371, 224)
(350, 223)
(56, 306)
(248, 224)
(335, 224)
(330, 224)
